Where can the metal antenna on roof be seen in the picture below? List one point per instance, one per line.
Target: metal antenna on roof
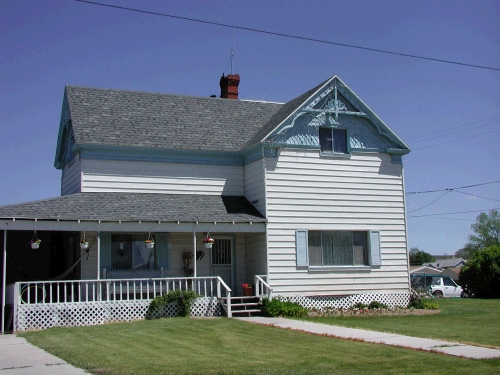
(232, 53)
(230, 63)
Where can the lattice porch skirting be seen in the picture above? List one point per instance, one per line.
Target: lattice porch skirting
(70, 314)
(319, 302)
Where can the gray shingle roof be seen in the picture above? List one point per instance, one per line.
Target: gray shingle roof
(123, 118)
(137, 206)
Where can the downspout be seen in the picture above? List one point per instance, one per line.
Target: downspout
(406, 228)
(4, 279)
(264, 177)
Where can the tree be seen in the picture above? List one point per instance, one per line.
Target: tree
(465, 253)
(481, 275)
(418, 256)
(487, 231)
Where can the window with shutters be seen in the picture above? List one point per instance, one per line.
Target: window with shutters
(338, 248)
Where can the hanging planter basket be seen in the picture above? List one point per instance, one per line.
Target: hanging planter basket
(208, 241)
(150, 243)
(35, 241)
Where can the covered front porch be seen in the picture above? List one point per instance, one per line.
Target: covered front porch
(119, 265)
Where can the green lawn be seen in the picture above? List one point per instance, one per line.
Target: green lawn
(464, 320)
(229, 346)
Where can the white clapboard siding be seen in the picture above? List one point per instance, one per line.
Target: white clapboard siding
(254, 185)
(172, 178)
(71, 177)
(256, 255)
(364, 192)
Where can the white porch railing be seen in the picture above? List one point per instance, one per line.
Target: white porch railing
(262, 288)
(107, 290)
(45, 292)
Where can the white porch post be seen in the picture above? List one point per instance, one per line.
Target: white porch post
(98, 256)
(194, 251)
(4, 279)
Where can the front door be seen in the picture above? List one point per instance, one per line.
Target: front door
(221, 260)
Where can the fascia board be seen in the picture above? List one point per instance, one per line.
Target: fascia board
(382, 126)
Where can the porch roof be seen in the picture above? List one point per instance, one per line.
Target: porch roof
(137, 207)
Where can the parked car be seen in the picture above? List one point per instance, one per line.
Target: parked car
(437, 285)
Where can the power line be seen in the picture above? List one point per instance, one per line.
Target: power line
(455, 140)
(428, 137)
(435, 200)
(477, 196)
(453, 127)
(289, 35)
(454, 213)
(449, 189)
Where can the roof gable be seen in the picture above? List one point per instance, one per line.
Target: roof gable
(332, 104)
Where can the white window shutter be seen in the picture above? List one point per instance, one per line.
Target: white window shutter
(375, 253)
(301, 248)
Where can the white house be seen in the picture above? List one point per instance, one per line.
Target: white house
(303, 199)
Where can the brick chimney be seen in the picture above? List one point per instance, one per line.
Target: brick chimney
(229, 86)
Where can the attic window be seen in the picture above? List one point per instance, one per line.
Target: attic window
(333, 141)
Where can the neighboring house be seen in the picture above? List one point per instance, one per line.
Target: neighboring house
(448, 263)
(305, 199)
(453, 272)
(425, 270)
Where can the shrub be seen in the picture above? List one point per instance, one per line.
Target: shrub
(481, 275)
(280, 307)
(359, 305)
(377, 305)
(419, 302)
(430, 305)
(184, 299)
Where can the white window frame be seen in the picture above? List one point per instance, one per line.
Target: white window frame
(374, 252)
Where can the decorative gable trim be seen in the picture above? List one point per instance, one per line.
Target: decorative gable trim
(333, 104)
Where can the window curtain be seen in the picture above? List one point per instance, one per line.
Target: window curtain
(337, 248)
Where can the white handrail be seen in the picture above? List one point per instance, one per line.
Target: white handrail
(262, 287)
(228, 295)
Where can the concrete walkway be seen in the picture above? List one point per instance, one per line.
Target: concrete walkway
(18, 357)
(445, 347)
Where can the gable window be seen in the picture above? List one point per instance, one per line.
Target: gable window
(333, 141)
(338, 248)
(129, 252)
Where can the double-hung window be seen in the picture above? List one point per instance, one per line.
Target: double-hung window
(333, 141)
(316, 248)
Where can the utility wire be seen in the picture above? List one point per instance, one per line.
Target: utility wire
(290, 36)
(454, 127)
(455, 140)
(454, 213)
(477, 196)
(456, 188)
(431, 136)
(435, 200)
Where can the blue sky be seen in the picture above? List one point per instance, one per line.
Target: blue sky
(448, 114)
